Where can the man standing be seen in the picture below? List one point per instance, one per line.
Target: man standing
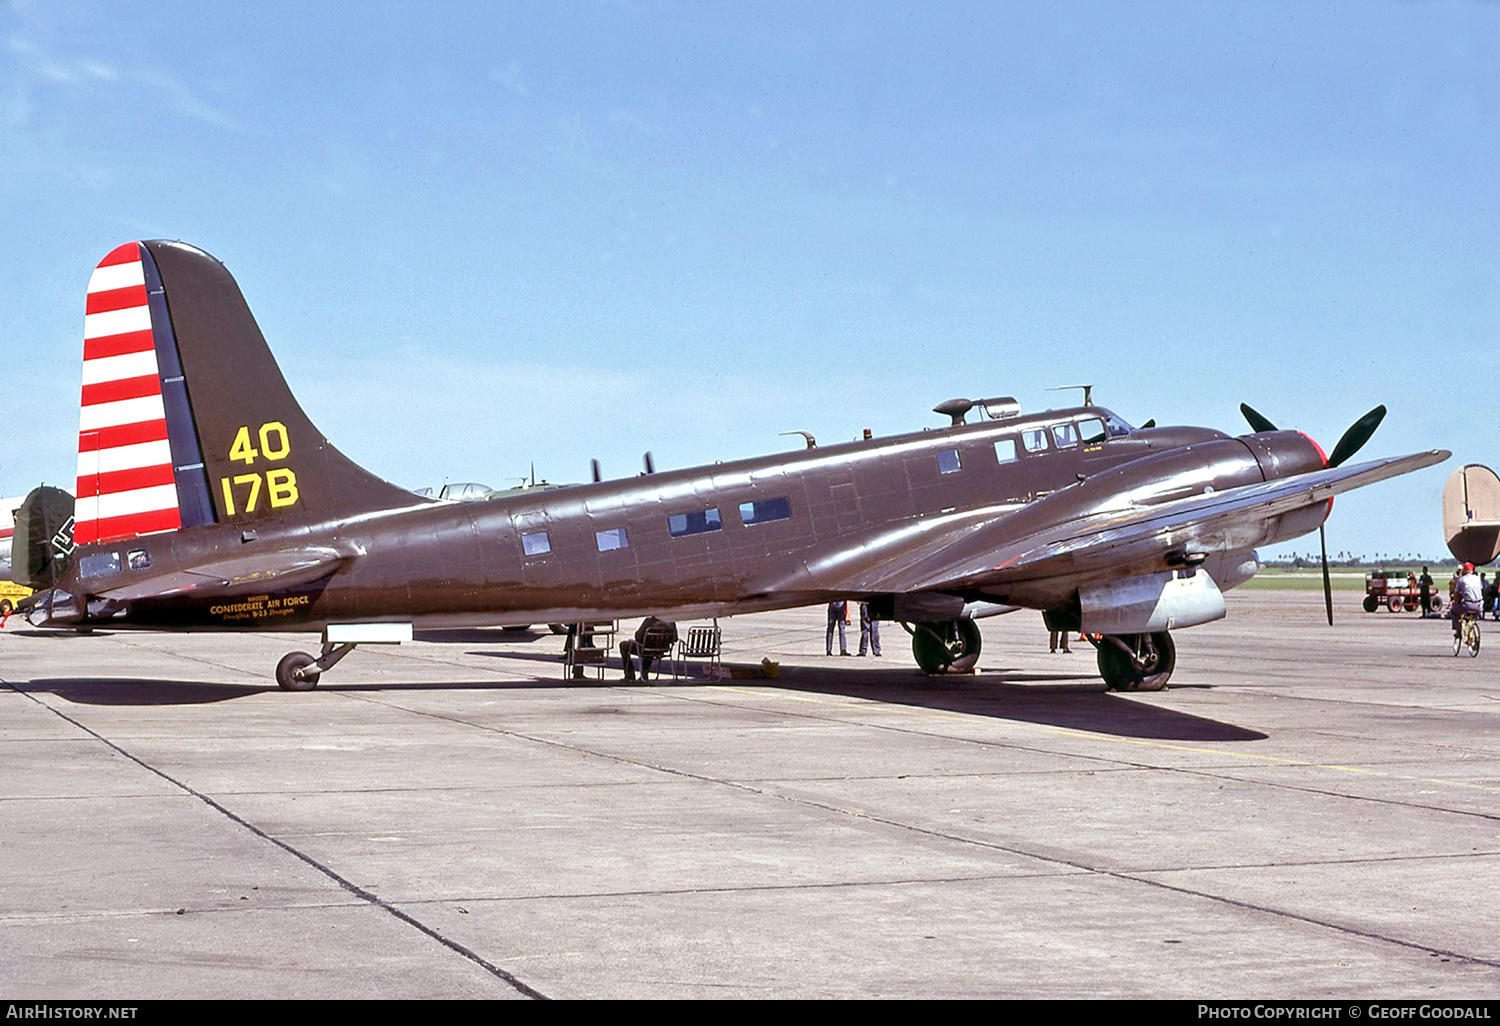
(869, 630)
(1425, 583)
(838, 614)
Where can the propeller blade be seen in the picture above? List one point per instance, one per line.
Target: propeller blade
(1358, 434)
(1327, 584)
(1257, 422)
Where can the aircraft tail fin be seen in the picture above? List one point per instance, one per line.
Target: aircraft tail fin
(1471, 514)
(186, 421)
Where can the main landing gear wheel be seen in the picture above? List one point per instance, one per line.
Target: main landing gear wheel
(1144, 663)
(950, 646)
(286, 672)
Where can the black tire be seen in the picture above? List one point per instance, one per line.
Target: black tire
(1149, 671)
(1371, 603)
(5, 607)
(946, 646)
(516, 628)
(1435, 604)
(1393, 603)
(286, 671)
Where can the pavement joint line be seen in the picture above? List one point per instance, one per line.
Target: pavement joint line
(1136, 877)
(364, 895)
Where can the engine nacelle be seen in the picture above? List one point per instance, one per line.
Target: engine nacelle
(1150, 602)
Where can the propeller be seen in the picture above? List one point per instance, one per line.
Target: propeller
(1350, 443)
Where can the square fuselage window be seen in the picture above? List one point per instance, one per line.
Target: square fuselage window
(536, 543)
(1066, 435)
(1005, 450)
(765, 511)
(948, 461)
(679, 524)
(1034, 440)
(614, 538)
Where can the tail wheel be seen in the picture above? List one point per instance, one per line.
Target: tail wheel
(950, 646)
(286, 672)
(1146, 666)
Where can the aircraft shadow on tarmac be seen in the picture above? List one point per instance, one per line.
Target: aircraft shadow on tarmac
(1069, 701)
(136, 691)
(1065, 701)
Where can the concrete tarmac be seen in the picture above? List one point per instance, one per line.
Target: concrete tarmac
(1307, 813)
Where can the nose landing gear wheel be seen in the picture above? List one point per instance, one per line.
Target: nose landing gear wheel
(1144, 663)
(286, 672)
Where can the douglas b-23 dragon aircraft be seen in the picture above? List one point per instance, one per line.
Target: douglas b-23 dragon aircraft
(207, 500)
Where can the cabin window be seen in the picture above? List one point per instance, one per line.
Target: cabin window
(679, 524)
(138, 559)
(1066, 435)
(103, 563)
(1005, 450)
(1091, 430)
(614, 538)
(536, 543)
(1035, 440)
(764, 511)
(948, 461)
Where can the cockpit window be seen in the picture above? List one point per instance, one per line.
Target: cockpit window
(1066, 435)
(1091, 430)
(1116, 427)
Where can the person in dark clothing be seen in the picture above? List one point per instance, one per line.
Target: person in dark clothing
(1425, 584)
(634, 648)
(838, 614)
(869, 630)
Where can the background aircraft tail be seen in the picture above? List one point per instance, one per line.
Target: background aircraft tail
(186, 420)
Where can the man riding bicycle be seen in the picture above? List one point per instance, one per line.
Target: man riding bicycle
(1468, 597)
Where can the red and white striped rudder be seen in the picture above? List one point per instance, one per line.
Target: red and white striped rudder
(126, 484)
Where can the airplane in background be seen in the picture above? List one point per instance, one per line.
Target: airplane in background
(208, 501)
(1471, 514)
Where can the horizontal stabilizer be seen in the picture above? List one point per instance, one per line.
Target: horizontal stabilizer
(265, 570)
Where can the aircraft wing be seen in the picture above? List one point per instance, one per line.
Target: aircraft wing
(979, 549)
(278, 569)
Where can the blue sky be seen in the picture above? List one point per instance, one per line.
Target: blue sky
(479, 236)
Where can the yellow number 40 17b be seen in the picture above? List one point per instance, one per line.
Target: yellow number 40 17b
(274, 444)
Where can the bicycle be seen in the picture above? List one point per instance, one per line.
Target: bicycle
(1468, 635)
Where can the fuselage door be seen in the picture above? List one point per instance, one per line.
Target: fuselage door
(535, 542)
